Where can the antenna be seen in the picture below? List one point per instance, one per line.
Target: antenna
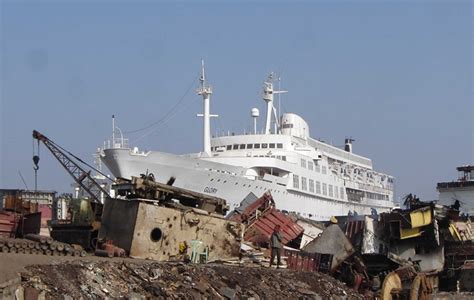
(113, 131)
(279, 102)
(203, 75)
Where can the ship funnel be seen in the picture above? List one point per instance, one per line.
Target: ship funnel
(348, 144)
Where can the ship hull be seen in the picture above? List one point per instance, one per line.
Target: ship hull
(230, 183)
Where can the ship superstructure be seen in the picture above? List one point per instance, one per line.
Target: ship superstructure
(304, 175)
(459, 193)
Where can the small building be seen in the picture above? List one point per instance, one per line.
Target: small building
(38, 201)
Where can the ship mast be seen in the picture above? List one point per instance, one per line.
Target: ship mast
(205, 92)
(268, 98)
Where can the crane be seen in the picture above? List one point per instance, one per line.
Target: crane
(82, 177)
(82, 228)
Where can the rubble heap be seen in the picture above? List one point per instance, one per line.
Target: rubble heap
(139, 279)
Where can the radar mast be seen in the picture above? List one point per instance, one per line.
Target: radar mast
(205, 91)
(268, 98)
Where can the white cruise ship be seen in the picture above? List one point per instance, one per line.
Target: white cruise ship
(304, 175)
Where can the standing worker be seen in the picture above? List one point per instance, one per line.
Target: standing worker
(275, 244)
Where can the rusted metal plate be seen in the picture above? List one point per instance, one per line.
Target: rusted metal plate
(31, 223)
(308, 262)
(149, 189)
(8, 223)
(46, 214)
(13, 224)
(353, 228)
(156, 232)
(332, 241)
(74, 234)
(261, 217)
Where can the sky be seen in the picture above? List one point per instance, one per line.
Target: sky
(397, 76)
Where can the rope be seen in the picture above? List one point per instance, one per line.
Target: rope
(167, 115)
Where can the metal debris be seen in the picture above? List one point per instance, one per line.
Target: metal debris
(137, 279)
(156, 232)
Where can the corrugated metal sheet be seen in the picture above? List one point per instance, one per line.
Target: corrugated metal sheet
(353, 228)
(261, 217)
(261, 230)
(8, 223)
(13, 224)
(308, 262)
(46, 213)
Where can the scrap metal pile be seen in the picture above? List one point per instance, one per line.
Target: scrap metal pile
(145, 187)
(408, 254)
(403, 254)
(261, 217)
(139, 280)
(19, 217)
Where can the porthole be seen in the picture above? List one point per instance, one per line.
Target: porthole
(156, 234)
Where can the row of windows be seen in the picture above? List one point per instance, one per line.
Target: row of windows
(313, 166)
(248, 146)
(326, 190)
(272, 156)
(376, 196)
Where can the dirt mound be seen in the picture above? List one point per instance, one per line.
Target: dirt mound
(118, 279)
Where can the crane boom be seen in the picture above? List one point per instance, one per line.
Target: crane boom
(82, 177)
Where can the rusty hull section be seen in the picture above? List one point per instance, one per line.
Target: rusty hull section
(148, 231)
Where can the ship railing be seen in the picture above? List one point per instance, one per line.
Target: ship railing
(117, 143)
